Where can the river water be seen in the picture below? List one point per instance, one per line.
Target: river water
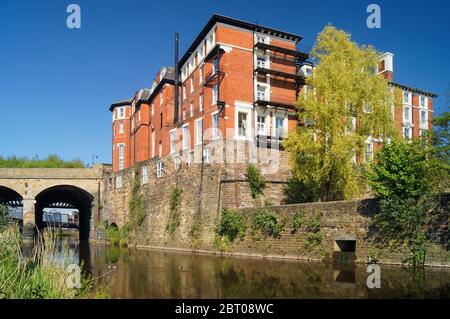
(133, 273)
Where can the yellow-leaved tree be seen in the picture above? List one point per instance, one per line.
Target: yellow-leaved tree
(344, 104)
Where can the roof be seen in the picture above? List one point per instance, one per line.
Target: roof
(167, 77)
(238, 23)
(413, 90)
(120, 103)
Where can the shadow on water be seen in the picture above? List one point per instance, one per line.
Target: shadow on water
(135, 273)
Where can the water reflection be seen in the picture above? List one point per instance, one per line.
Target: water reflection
(152, 274)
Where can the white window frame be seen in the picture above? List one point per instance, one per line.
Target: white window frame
(191, 81)
(266, 123)
(369, 143)
(173, 140)
(201, 102)
(283, 116)
(215, 129)
(207, 155)
(266, 96)
(409, 119)
(201, 74)
(409, 128)
(121, 155)
(198, 127)
(144, 174)
(424, 105)
(242, 107)
(215, 94)
(153, 143)
(409, 98)
(185, 137)
(159, 169)
(121, 127)
(191, 109)
(423, 125)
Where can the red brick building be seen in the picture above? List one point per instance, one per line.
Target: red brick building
(237, 80)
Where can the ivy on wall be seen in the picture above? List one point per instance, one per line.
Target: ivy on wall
(174, 218)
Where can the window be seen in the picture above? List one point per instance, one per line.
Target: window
(190, 158)
(423, 119)
(153, 143)
(121, 156)
(242, 124)
(407, 132)
(198, 131)
(121, 112)
(279, 121)
(215, 125)
(159, 169)
(120, 127)
(200, 54)
(368, 152)
(261, 62)
(261, 125)
(215, 65)
(192, 84)
(201, 74)
(407, 114)
(215, 94)
(422, 101)
(367, 108)
(160, 99)
(261, 93)
(185, 136)
(191, 111)
(260, 39)
(145, 174)
(153, 109)
(200, 102)
(207, 155)
(184, 91)
(119, 181)
(160, 149)
(172, 141)
(184, 115)
(406, 97)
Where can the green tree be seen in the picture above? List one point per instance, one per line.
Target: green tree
(406, 177)
(343, 89)
(441, 137)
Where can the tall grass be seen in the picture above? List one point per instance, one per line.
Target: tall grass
(51, 161)
(43, 275)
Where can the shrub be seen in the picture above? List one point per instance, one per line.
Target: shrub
(297, 221)
(257, 183)
(232, 225)
(267, 223)
(174, 218)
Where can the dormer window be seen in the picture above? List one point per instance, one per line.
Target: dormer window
(406, 97)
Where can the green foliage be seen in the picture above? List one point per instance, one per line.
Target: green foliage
(222, 243)
(136, 202)
(256, 181)
(441, 137)
(344, 85)
(51, 161)
(195, 230)
(174, 218)
(4, 217)
(297, 221)
(267, 223)
(42, 276)
(406, 177)
(118, 237)
(232, 225)
(314, 236)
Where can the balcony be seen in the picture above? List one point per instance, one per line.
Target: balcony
(298, 55)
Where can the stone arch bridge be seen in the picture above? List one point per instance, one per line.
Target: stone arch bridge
(37, 188)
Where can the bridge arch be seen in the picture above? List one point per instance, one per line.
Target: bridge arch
(75, 196)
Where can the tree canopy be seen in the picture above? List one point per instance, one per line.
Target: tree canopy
(343, 104)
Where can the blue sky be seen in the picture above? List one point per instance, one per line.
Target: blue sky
(56, 84)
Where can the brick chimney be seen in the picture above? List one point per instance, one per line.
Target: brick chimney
(386, 66)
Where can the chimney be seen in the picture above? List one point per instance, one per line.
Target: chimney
(386, 66)
(176, 99)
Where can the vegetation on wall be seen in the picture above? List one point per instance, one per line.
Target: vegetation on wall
(256, 181)
(51, 161)
(136, 202)
(297, 221)
(407, 178)
(174, 218)
(313, 232)
(118, 237)
(267, 223)
(343, 87)
(232, 225)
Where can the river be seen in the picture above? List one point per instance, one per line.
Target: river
(134, 273)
